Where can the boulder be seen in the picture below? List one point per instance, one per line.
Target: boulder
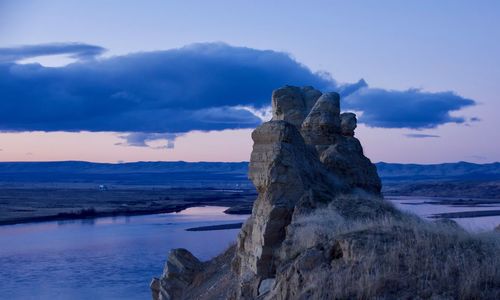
(292, 104)
(321, 127)
(178, 273)
(345, 158)
(265, 286)
(310, 96)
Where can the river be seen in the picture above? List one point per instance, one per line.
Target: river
(427, 207)
(103, 258)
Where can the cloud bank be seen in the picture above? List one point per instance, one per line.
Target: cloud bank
(406, 109)
(211, 86)
(198, 87)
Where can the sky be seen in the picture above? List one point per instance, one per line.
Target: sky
(112, 81)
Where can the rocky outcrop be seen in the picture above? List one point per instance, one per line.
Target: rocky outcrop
(319, 227)
(332, 134)
(178, 273)
(345, 158)
(297, 166)
(286, 173)
(292, 104)
(303, 158)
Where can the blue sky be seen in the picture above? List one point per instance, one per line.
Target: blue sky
(431, 70)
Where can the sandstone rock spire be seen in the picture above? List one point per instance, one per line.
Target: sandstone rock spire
(303, 158)
(300, 158)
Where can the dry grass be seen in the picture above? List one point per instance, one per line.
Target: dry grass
(396, 256)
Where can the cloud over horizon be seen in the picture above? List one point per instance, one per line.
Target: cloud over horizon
(209, 86)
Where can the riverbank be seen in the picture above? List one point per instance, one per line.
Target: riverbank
(42, 204)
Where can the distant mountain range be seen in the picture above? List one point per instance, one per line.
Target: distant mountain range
(137, 173)
(157, 173)
(446, 171)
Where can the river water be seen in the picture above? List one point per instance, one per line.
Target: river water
(103, 258)
(426, 207)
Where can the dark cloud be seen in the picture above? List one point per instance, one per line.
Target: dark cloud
(406, 109)
(198, 87)
(74, 50)
(421, 135)
(210, 86)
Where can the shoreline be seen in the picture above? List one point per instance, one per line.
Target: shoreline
(216, 227)
(97, 214)
(235, 207)
(467, 214)
(33, 205)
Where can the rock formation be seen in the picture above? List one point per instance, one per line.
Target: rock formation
(178, 273)
(297, 165)
(292, 104)
(308, 229)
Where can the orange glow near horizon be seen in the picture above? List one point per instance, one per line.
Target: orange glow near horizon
(226, 145)
(389, 145)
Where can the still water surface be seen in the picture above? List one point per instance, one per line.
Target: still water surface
(103, 258)
(426, 207)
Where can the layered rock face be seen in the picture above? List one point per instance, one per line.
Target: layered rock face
(304, 157)
(320, 229)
